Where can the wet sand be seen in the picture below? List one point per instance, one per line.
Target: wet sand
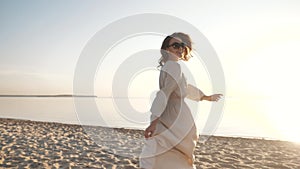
(30, 144)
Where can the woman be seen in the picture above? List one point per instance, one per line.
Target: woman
(171, 136)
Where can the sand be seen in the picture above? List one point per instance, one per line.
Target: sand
(29, 144)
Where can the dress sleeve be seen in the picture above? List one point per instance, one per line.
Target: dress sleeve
(194, 93)
(173, 74)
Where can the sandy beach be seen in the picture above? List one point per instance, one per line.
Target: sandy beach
(29, 144)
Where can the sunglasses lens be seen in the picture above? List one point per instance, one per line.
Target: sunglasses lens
(177, 45)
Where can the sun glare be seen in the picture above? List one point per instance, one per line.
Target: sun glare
(284, 118)
(272, 76)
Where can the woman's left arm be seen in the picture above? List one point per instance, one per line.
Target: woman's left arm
(213, 98)
(196, 94)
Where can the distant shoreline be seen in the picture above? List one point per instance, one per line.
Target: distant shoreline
(58, 95)
(70, 95)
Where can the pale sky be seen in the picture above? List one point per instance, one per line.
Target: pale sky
(256, 41)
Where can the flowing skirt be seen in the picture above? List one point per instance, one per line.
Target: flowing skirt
(174, 139)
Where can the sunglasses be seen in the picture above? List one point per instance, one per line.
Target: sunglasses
(177, 45)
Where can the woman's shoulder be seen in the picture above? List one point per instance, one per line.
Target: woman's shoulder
(171, 64)
(172, 67)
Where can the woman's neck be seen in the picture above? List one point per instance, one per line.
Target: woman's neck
(173, 59)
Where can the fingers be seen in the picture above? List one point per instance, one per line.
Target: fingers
(149, 130)
(217, 97)
(147, 134)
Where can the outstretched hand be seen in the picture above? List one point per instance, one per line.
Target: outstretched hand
(213, 98)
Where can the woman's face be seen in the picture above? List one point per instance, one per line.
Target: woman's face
(175, 49)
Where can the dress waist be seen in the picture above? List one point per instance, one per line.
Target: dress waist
(175, 96)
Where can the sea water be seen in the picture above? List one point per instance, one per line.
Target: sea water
(123, 113)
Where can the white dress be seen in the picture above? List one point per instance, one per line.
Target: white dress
(175, 137)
